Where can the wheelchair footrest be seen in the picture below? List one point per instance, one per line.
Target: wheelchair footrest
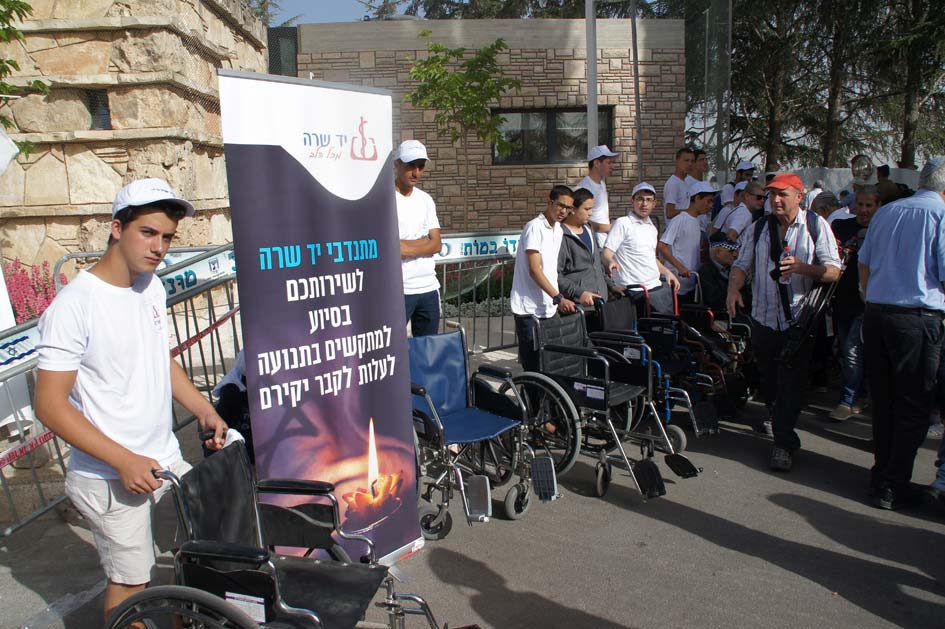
(476, 494)
(544, 480)
(681, 466)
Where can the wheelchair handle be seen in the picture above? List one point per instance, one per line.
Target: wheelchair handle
(416, 389)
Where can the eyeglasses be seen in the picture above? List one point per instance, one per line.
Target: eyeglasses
(562, 206)
(757, 196)
(644, 199)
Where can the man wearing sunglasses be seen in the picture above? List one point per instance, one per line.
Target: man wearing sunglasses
(419, 239)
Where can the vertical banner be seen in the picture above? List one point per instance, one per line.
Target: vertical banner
(318, 268)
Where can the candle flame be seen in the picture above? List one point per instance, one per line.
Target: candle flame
(372, 457)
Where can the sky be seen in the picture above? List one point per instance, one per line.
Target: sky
(313, 11)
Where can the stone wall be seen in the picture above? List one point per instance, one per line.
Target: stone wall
(156, 62)
(379, 54)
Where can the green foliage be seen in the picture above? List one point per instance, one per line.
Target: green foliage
(460, 86)
(266, 11)
(14, 11)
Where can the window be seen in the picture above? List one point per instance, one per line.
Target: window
(97, 101)
(549, 136)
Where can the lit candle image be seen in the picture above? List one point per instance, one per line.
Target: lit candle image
(369, 506)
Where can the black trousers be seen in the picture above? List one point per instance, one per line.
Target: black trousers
(902, 348)
(782, 383)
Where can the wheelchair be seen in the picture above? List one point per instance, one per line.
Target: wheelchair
(610, 384)
(228, 574)
(468, 438)
(680, 378)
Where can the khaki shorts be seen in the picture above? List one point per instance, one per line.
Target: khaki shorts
(121, 523)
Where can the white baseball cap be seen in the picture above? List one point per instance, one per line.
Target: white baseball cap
(145, 191)
(700, 187)
(741, 185)
(411, 150)
(745, 166)
(600, 151)
(642, 187)
(728, 195)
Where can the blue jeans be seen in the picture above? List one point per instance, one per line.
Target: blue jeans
(423, 312)
(851, 358)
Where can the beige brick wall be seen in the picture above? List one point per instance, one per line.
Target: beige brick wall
(505, 197)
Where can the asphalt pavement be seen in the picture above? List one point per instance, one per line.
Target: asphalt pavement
(738, 546)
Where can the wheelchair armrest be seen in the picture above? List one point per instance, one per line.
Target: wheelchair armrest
(495, 372)
(294, 487)
(222, 551)
(416, 389)
(617, 337)
(577, 351)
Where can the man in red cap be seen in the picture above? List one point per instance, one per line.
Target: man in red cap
(785, 254)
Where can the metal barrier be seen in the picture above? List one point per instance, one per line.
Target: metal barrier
(203, 313)
(475, 295)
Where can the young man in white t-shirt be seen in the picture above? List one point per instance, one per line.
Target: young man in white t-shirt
(681, 243)
(600, 165)
(106, 381)
(535, 291)
(732, 221)
(629, 255)
(675, 191)
(700, 164)
(419, 239)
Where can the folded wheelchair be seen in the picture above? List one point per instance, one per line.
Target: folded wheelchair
(608, 383)
(228, 573)
(470, 437)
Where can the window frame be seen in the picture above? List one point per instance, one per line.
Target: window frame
(551, 134)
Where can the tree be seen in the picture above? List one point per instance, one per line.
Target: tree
(460, 86)
(266, 11)
(14, 11)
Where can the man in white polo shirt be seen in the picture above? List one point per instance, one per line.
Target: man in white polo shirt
(629, 254)
(419, 239)
(535, 281)
(680, 244)
(600, 165)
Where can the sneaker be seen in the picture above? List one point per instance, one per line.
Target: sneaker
(781, 460)
(891, 500)
(936, 431)
(764, 428)
(937, 494)
(841, 413)
(859, 407)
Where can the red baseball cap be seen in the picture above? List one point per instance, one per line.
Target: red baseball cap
(786, 180)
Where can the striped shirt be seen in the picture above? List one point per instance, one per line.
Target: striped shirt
(755, 260)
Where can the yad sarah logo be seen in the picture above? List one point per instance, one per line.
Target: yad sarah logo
(337, 146)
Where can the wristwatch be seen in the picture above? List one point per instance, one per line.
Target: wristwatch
(557, 299)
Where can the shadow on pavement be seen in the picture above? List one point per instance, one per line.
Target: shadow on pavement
(875, 587)
(501, 607)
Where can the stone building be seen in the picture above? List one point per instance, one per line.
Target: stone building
(545, 118)
(132, 94)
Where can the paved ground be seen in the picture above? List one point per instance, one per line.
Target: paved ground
(737, 546)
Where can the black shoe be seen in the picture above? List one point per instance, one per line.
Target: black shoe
(937, 495)
(892, 500)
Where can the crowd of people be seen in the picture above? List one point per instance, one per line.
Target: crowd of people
(764, 252)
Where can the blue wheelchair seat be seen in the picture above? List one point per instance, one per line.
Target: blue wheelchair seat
(438, 364)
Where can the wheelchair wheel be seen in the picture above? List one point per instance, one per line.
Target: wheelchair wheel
(602, 479)
(517, 501)
(677, 437)
(177, 605)
(427, 515)
(554, 428)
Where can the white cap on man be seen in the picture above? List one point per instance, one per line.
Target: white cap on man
(728, 195)
(643, 187)
(741, 185)
(701, 187)
(146, 191)
(745, 166)
(600, 151)
(411, 151)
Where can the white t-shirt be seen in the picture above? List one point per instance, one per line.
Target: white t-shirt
(116, 340)
(810, 196)
(601, 212)
(703, 218)
(527, 297)
(416, 216)
(684, 237)
(840, 214)
(675, 191)
(633, 241)
(737, 218)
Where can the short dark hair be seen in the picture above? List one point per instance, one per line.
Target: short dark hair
(581, 195)
(684, 149)
(558, 190)
(696, 152)
(883, 170)
(130, 213)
